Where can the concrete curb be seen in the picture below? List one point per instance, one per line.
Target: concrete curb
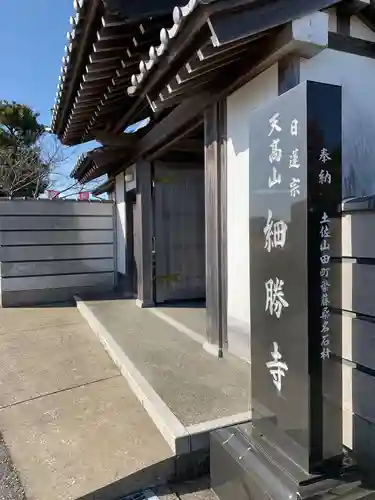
(181, 439)
(169, 426)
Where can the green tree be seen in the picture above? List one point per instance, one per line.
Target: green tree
(19, 125)
(23, 169)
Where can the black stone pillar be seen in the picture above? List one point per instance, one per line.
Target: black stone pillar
(295, 191)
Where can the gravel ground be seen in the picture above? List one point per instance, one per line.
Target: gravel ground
(10, 485)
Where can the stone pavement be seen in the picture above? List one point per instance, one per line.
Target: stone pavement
(10, 484)
(71, 422)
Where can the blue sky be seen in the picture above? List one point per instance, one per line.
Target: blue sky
(32, 39)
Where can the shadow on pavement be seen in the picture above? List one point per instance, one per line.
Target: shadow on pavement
(173, 475)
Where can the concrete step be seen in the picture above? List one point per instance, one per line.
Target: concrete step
(186, 391)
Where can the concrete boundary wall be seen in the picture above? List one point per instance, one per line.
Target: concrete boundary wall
(353, 324)
(50, 250)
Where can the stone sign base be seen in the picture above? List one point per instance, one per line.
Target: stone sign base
(245, 467)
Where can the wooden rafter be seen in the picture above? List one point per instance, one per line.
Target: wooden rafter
(114, 58)
(95, 58)
(353, 7)
(80, 62)
(201, 70)
(274, 48)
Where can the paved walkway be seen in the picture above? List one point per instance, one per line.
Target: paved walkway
(69, 419)
(10, 484)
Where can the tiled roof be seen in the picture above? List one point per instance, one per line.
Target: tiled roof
(73, 37)
(103, 51)
(166, 35)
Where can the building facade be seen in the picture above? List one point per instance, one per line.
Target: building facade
(194, 74)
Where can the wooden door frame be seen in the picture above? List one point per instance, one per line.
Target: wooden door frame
(143, 247)
(172, 166)
(130, 247)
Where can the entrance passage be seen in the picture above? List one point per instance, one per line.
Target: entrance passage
(179, 232)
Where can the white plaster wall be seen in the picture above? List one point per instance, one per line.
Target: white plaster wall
(356, 74)
(239, 107)
(130, 178)
(359, 30)
(120, 223)
(332, 20)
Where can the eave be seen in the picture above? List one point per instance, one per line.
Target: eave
(80, 37)
(104, 50)
(98, 162)
(208, 39)
(105, 187)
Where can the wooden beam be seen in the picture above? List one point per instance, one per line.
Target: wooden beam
(171, 125)
(113, 90)
(288, 72)
(196, 80)
(106, 111)
(121, 82)
(165, 101)
(230, 27)
(97, 77)
(169, 146)
(137, 52)
(351, 45)
(127, 68)
(113, 22)
(110, 99)
(304, 36)
(85, 112)
(98, 58)
(189, 73)
(367, 16)
(343, 22)
(108, 139)
(176, 92)
(179, 157)
(353, 7)
(209, 56)
(91, 85)
(90, 96)
(111, 36)
(105, 187)
(190, 145)
(102, 67)
(348, 8)
(117, 44)
(103, 158)
(209, 51)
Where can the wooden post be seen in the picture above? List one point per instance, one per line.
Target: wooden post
(215, 215)
(143, 235)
